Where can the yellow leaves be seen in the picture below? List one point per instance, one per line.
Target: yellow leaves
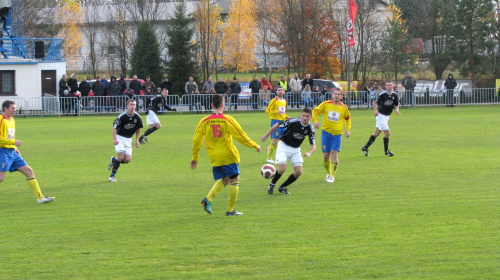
(69, 14)
(238, 37)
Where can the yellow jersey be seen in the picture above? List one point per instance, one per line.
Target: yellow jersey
(7, 132)
(334, 117)
(218, 131)
(276, 110)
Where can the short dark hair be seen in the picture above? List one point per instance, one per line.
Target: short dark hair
(307, 110)
(130, 100)
(6, 104)
(217, 101)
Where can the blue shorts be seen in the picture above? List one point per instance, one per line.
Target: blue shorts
(231, 170)
(278, 132)
(330, 142)
(10, 160)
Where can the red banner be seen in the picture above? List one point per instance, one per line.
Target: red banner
(353, 8)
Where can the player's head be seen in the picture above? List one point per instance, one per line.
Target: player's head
(337, 94)
(306, 115)
(131, 105)
(388, 85)
(9, 107)
(217, 101)
(164, 92)
(280, 91)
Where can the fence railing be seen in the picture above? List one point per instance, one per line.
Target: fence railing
(200, 103)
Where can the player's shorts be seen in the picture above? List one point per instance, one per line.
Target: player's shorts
(382, 122)
(277, 133)
(152, 118)
(231, 170)
(10, 160)
(285, 152)
(124, 145)
(330, 142)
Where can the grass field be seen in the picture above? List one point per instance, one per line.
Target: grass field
(430, 212)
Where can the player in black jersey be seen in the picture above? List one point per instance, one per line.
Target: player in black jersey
(156, 103)
(295, 132)
(125, 126)
(382, 107)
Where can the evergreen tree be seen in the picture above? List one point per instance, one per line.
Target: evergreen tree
(180, 49)
(145, 60)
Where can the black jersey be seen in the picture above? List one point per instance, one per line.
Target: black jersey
(127, 125)
(295, 132)
(157, 102)
(386, 102)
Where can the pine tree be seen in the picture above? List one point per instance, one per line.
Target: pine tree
(145, 60)
(180, 49)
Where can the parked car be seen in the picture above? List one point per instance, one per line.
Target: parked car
(329, 84)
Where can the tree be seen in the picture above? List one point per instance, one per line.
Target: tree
(90, 30)
(36, 24)
(119, 39)
(208, 28)
(395, 48)
(69, 14)
(238, 37)
(145, 59)
(180, 48)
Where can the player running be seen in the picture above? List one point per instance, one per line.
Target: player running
(276, 110)
(295, 131)
(382, 108)
(335, 114)
(218, 130)
(125, 126)
(155, 104)
(10, 157)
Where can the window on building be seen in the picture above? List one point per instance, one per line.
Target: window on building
(7, 79)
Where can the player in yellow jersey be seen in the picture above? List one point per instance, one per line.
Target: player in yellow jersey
(335, 114)
(10, 157)
(218, 130)
(276, 110)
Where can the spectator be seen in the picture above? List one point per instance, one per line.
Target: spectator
(372, 94)
(282, 83)
(265, 82)
(306, 96)
(104, 84)
(149, 84)
(264, 96)
(295, 88)
(98, 90)
(195, 102)
(307, 81)
(409, 84)
(84, 89)
(166, 84)
(208, 86)
(63, 94)
(4, 13)
(317, 96)
(113, 90)
(221, 87)
(73, 84)
(255, 88)
(123, 86)
(450, 85)
(135, 85)
(190, 86)
(235, 91)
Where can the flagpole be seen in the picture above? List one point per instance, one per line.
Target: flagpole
(349, 76)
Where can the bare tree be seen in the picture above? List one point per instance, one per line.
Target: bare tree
(90, 30)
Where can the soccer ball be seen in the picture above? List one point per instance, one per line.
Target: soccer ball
(268, 171)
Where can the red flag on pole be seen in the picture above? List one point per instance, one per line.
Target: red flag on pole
(353, 8)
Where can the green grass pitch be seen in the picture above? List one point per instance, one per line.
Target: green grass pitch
(430, 212)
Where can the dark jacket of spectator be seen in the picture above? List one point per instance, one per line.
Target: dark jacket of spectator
(235, 87)
(123, 84)
(84, 88)
(62, 86)
(166, 84)
(147, 85)
(221, 87)
(113, 88)
(254, 86)
(98, 88)
(450, 83)
(136, 86)
(307, 82)
(73, 85)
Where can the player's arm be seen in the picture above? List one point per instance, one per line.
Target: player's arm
(313, 148)
(374, 105)
(237, 132)
(316, 112)
(137, 135)
(115, 140)
(312, 141)
(347, 124)
(270, 106)
(396, 106)
(273, 129)
(197, 143)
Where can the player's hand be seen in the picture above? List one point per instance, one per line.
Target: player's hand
(115, 142)
(263, 138)
(193, 164)
(17, 152)
(288, 117)
(18, 143)
(307, 154)
(398, 112)
(376, 113)
(316, 125)
(347, 133)
(258, 149)
(137, 144)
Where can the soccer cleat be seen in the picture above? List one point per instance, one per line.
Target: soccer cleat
(329, 178)
(110, 165)
(143, 139)
(270, 189)
(233, 213)
(112, 179)
(270, 160)
(365, 150)
(45, 199)
(388, 153)
(207, 206)
(283, 190)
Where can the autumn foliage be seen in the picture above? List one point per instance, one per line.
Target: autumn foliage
(69, 14)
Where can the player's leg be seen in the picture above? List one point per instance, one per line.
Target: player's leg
(234, 187)
(281, 158)
(326, 143)
(387, 133)
(274, 142)
(370, 141)
(154, 124)
(334, 155)
(296, 160)
(33, 184)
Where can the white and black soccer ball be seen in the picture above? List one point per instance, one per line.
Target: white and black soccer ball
(268, 171)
